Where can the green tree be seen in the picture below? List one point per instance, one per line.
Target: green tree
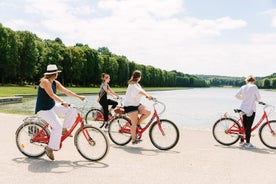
(267, 84)
(104, 51)
(273, 83)
(28, 55)
(9, 59)
(123, 71)
(76, 66)
(91, 68)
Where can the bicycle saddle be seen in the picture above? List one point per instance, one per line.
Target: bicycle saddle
(237, 110)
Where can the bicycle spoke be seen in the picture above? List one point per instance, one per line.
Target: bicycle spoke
(95, 118)
(119, 131)
(226, 131)
(91, 143)
(31, 139)
(164, 135)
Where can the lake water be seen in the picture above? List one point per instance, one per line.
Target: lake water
(196, 108)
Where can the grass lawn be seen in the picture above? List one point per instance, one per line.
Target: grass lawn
(9, 91)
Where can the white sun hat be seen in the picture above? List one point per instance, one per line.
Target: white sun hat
(51, 69)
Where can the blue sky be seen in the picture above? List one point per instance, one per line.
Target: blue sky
(221, 37)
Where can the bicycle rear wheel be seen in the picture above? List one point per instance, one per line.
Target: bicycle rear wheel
(165, 135)
(24, 139)
(91, 143)
(119, 130)
(95, 118)
(267, 134)
(226, 131)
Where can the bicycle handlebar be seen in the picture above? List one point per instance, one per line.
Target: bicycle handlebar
(158, 102)
(261, 103)
(266, 106)
(80, 108)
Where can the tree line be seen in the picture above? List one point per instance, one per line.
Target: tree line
(24, 58)
(268, 82)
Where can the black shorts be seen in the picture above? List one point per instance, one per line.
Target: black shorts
(129, 109)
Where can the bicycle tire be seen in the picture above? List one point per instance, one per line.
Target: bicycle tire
(23, 138)
(119, 130)
(267, 137)
(94, 149)
(95, 118)
(221, 134)
(165, 141)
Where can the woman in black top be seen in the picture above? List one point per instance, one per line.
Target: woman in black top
(47, 108)
(103, 100)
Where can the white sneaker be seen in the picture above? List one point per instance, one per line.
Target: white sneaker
(249, 146)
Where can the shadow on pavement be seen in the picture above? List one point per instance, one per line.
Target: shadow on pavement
(143, 151)
(41, 165)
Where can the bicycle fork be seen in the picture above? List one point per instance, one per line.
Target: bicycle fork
(89, 139)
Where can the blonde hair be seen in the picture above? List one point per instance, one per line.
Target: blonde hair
(135, 76)
(250, 78)
(50, 76)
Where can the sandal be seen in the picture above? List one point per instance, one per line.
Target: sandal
(49, 153)
(136, 141)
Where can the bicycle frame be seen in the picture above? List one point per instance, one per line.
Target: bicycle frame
(140, 131)
(100, 117)
(42, 138)
(241, 131)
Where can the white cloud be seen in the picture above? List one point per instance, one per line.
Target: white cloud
(155, 32)
(142, 8)
(47, 8)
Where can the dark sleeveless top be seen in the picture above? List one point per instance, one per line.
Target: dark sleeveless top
(102, 93)
(44, 101)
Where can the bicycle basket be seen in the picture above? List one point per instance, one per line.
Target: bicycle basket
(34, 119)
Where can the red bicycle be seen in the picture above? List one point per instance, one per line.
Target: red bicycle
(163, 133)
(95, 116)
(228, 130)
(33, 135)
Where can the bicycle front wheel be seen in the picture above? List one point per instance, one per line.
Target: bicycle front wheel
(26, 142)
(95, 118)
(119, 130)
(267, 134)
(226, 131)
(164, 135)
(91, 143)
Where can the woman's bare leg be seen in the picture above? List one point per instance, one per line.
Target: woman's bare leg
(134, 119)
(144, 113)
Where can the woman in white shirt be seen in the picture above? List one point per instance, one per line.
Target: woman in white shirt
(132, 104)
(249, 94)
